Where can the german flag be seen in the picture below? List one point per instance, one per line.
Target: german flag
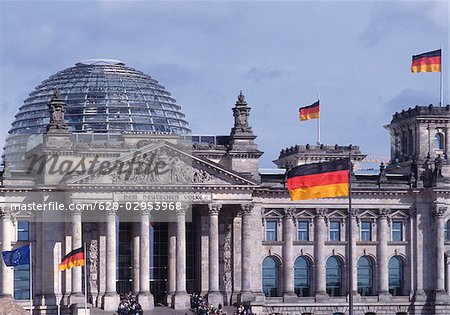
(427, 62)
(309, 112)
(319, 180)
(73, 259)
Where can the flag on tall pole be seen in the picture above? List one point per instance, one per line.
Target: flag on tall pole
(21, 256)
(17, 257)
(325, 180)
(319, 180)
(309, 112)
(75, 258)
(430, 62)
(427, 62)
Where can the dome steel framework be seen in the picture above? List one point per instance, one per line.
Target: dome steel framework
(103, 96)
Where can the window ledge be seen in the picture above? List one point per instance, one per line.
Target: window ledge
(272, 242)
(335, 242)
(303, 243)
(397, 243)
(367, 242)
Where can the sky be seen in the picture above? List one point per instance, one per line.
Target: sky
(355, 54)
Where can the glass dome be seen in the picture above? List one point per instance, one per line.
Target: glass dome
(103, 95)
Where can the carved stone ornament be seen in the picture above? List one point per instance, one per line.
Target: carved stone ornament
(241, 112)
(384, 213)
(159, 167)
(56, 108)
(93, 265)
(226, 256)
(214, 208)
(439, 211)
(321, 213)
(246, 209)
(289, 213)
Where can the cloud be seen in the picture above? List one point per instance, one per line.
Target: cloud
(392, 17)
(258, 74)
(408, 98)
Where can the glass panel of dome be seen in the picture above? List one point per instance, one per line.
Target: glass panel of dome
(174, 122)
(156, 112)
(136, 110)
(143, 127)
(141, 119)
(158, 120)
(161, 128)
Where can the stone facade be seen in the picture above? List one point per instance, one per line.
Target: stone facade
(233, 209)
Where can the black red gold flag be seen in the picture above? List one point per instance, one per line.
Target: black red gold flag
(309, 112)
(73, 259)
(427, 62)
(319, 180)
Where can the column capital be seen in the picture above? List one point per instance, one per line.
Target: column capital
(5, 213)
(321, 213)
(289, 213)
(182, 210)
(246, 209)
(439, 211)
(144, 211)
(214, 208)
(384, 213)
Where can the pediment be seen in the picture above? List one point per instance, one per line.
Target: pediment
(398, 214)
(337, 214)
(305, 213)
(162, 164)
(367, 214)
(273, 213)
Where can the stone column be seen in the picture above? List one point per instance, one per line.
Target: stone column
(181, 299)
(417, 217)
(447, 280)
(288, 255)
(354, 257)
(319, 254)
(111, 298)
(136, 244)
(6, 277)
(214, 296)
(447, 141)
(382, 253)
(172, 261)
(440, 294)
(145, 297)
(76, 296)
(246, 250)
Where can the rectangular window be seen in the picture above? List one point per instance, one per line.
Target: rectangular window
(397, 231)
(271, 230)
(22, 282)
(335, 231)
(23, 230)
(303, 231)
(366, 231)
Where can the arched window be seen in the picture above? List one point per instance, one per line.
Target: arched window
(270, 271)
(365, 276)
(439, 141)
(334, 279)
(395, 276)
(302, 278)
(447, 231)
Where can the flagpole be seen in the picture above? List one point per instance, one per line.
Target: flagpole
(318, 121)
(31, 281)
(350, 237)
(85, 280)
(441, 83)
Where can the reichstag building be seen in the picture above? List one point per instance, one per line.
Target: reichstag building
(101, 154)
